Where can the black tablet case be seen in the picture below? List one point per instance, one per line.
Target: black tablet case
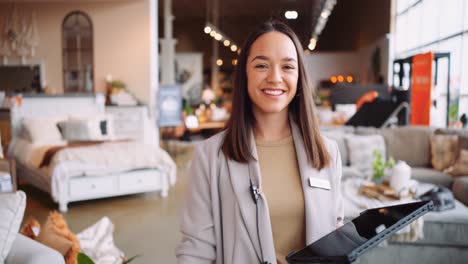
(345, 244)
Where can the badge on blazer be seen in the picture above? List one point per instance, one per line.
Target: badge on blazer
(319, 183)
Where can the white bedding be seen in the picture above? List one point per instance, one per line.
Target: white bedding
(106, 158)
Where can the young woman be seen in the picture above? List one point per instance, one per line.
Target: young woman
(269, 184)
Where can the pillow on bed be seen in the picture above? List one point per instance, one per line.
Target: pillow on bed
(42, 130)
(87, 129)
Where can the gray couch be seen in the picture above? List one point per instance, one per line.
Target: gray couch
(445, 233)
(27, 251)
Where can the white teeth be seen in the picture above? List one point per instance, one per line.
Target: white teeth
(273, 92)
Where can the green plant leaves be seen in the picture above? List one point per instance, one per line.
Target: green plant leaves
(84, 259)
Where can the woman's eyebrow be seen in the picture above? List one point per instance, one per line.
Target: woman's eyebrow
(262, 57)
(259, 57)
(289, 59)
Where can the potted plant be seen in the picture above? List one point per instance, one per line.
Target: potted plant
(379, 166)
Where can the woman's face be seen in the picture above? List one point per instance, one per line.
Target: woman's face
(272, 73)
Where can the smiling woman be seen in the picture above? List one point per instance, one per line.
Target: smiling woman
(271, 149)
(272, 76)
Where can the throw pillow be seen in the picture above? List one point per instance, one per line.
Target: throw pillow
(54, 234)
(460, 168)
(49, 237)
(87, 129)
(443, 151)
(11, 214)
(339, 137)
(361, 151)
(41, 130)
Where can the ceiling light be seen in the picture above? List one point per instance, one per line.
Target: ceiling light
(220, 36)
(325, 13)
(333, 79)
(349, 79)
(219, 62)
(340, 78)
(311, 46)
(291, 14)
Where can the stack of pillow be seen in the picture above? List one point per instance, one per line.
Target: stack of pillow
(61, 128)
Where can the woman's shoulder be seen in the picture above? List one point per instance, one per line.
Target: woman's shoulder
(211, 145)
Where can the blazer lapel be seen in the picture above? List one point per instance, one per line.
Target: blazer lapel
(312, 205)
(240, 175)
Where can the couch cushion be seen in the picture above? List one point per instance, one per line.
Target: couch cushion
(461, 133)
(361, 151)
(11, 214)
(360, 130)
(351, 172)
(447, 228)
(28, 251)
(428, 175)
(344, 129)
(339, 137)
(460, 189)
(460, 167)
(410, 144)
(444, 151)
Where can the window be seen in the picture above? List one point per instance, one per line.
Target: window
(77, 45)
(437, 26)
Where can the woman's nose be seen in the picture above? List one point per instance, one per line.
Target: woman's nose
(274, 75)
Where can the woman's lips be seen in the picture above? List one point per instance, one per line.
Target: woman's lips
(273, 92)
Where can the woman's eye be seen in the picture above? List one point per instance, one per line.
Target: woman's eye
(289, 67)
(260, 66)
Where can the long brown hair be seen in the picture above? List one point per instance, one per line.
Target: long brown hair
(236, 144)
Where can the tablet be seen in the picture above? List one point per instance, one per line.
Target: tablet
(347, 243)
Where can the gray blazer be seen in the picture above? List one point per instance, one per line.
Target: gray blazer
(219, 223)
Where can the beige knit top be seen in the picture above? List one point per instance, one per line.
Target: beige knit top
(281, 183)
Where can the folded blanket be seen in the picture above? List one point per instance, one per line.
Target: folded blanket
(50, 153)
(98, 243)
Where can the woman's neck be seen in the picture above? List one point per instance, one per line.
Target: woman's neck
(272, 127)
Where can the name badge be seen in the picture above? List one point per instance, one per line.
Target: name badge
(319, 183)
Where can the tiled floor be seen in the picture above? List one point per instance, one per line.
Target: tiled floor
(145, 224)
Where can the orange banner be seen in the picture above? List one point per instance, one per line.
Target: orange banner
(421, 86)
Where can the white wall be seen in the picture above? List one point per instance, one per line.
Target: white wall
(323, 65)
(121, 41)
(365, 55)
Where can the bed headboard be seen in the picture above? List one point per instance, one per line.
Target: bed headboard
(49, 106)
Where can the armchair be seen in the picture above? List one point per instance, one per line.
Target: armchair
(14, 247)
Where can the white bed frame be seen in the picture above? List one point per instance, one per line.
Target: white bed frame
(85, 187)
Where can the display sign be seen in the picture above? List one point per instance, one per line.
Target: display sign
(421, 86)
(170, 105)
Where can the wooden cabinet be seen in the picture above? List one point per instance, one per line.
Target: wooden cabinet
(129, 122)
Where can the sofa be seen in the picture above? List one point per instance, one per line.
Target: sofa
(445, 233)
(14, 247)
